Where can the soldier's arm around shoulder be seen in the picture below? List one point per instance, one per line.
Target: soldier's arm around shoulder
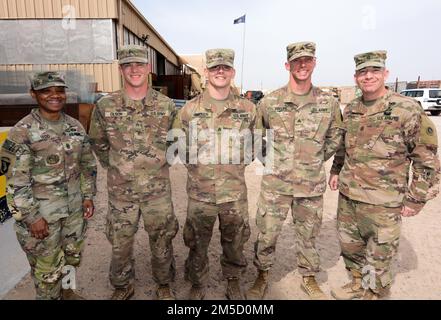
(88, 169)
(97, 133)
(22, 181)
(421, 140)
(334, 135)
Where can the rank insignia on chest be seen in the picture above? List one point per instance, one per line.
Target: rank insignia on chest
(52, 159)
(72, 132)
(116, 114)
(241, 116)
(203, 115)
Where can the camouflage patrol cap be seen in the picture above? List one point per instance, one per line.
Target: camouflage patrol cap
(300, 49)
(216, 57)
(370, 59)
(47, 79)
(132, 53)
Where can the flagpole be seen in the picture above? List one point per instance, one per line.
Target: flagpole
(243, 57)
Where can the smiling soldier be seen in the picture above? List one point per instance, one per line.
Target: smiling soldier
(129, 136)
(307, 130)
(386, 134)
(52, 185)
(216, 186)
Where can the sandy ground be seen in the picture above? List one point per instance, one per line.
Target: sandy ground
(417, 265)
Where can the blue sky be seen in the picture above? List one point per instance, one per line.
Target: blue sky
(408, 30)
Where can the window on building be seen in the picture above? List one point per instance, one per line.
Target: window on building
(131, 38)
(51, 41)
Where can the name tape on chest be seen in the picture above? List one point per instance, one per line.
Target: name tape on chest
(156, 113)
(240, 116)
(281, 109)
(202, 115)
(114, 114)
(320, 110)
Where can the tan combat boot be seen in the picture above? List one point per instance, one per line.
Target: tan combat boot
(260, 286)
(382, 293)
(351, 290)
(312, 289)
(196, 293)
(165, 293)
(233, 290)
(370, 295)
(123, 293)
(69, 294)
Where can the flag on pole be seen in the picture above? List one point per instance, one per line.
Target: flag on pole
(240, 20)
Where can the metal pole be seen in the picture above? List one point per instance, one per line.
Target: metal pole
(243, 57)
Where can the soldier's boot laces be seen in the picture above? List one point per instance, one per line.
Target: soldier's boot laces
(196, 293)
(351, 290)
(69, 294)
(164, 292)
(312, 289)
(123, 293)
(260, 287)
(233, 290)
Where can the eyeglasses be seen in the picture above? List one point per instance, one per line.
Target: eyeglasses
(375, 71)
(220, 67)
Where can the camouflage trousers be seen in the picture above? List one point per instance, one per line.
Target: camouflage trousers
(235, 232)
(47, 257)
(369, 237)
(307, 217)
(161, 225)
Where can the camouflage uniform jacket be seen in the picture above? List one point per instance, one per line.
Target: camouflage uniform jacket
(52, 174)
(380, 143)
(212, 181)
(130, 140)
(305, 136)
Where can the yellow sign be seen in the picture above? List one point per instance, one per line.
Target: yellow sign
(4, 211)
(3, 136)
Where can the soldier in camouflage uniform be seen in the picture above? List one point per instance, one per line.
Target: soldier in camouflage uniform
(307, 130)
(216, 186)
(52, 183)
(129, 136)
(384, 133)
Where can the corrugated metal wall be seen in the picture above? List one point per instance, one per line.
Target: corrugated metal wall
(106, 75)
(134, 23)
(39, 9)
